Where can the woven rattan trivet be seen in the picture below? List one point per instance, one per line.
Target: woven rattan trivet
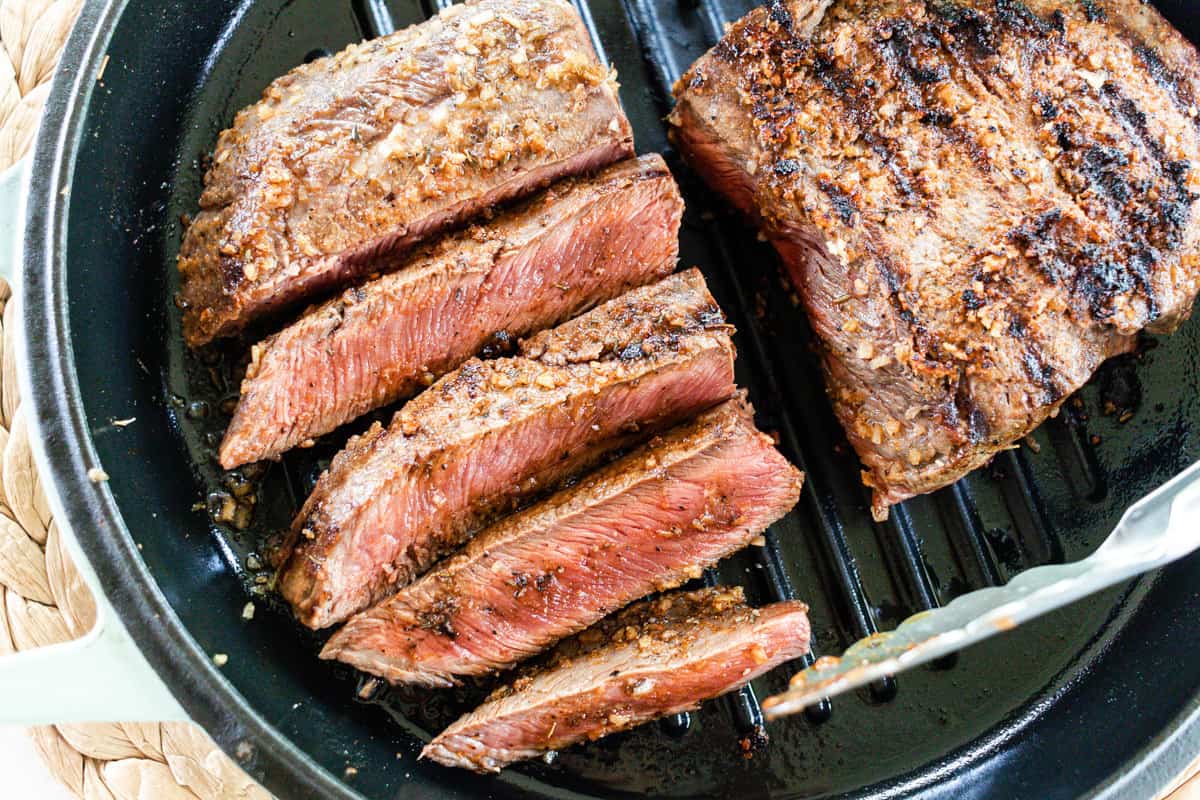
(43, 600)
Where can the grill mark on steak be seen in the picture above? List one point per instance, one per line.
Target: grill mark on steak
(1105, 167)
(966, 24)
(917, 76)
(1033, 358)
(1143, 226)
(953, 326)
(1173, 83)
(924, 343)
(656, 658)
(1018, 17)
(842, 202)
(857, 99)
(648, 522)
(582, 242)
(365, 153)
(1039, 240)
(910, 186)
(977, 426)
(1094, 11)
(957, 415)
(1170, 213)
(857, 102)
(1137, 28)
(1085, 270)
(781, 15)
(493, 434)
(1159, 226)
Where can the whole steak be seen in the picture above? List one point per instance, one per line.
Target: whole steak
(977, 201)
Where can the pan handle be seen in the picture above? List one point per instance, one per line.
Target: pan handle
(102, 676)
(13, 183)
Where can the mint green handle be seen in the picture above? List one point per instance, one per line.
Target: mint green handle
(102, 676)
(13, 182)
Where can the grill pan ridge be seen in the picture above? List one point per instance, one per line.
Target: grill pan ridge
(1018, 716)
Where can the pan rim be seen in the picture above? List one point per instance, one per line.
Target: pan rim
(91, 511)
(93, 514)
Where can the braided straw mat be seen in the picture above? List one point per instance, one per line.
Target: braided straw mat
(43, 600)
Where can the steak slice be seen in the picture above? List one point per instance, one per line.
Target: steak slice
(368, 151)
(978, 202)
(647, 522)
(660, 657)
(494, 432)
(581, 242)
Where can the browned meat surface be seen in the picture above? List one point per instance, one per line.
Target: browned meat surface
(647, 522)
(496, 431)
(580, 243)
(659, 657)
(978, 202)
(368, 151)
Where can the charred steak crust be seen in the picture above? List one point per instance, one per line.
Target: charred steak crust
(648, 522)
(978, 202)
(659, 657)
(494, 432)
(580, 243)
(370, 150)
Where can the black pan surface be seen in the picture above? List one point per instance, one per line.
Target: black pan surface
(1096, 700)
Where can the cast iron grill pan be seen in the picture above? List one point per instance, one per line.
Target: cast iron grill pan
(1019, 716)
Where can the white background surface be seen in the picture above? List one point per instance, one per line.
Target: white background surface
(24, 776)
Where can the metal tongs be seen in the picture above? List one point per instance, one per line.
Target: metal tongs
(1158, 529)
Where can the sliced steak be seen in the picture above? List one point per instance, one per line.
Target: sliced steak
(368, 151)
(978, 202)
(580, 243)
(645, 523)
(493, 432)
(657, 658)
